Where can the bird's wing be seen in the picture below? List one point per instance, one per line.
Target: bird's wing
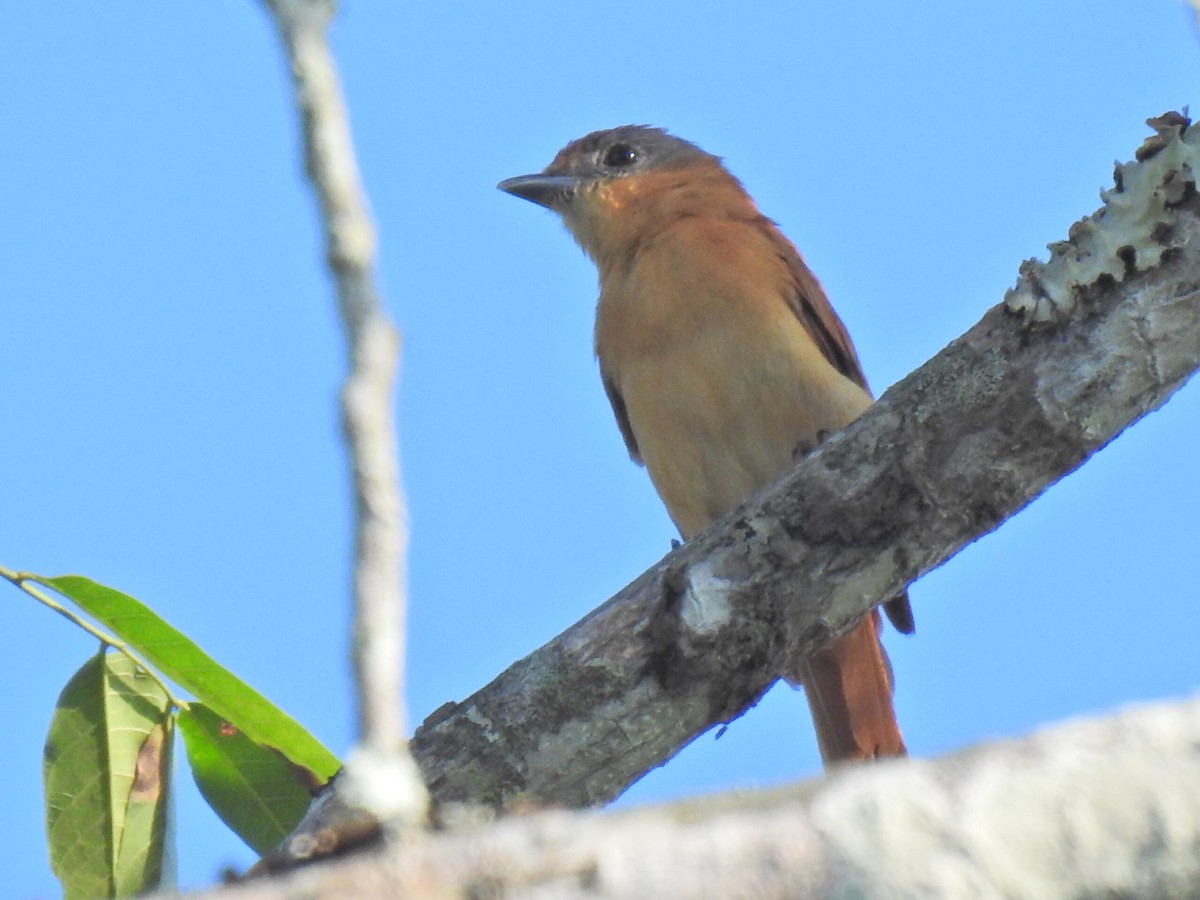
(817, 315)
(622, 415)
(810, 305)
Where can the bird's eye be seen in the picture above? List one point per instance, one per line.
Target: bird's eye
(619, 156)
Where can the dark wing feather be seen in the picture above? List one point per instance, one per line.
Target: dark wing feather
(816, 314)
(622, 414)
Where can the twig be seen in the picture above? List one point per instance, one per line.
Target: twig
(381, 520)
(26, 580)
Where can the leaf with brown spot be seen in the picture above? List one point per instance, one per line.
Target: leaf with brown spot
(105, 772)
(254, 788)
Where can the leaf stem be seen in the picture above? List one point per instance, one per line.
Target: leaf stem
(26, 581)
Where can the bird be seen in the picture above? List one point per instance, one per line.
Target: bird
(723, 361)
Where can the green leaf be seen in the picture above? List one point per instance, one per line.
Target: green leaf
(139, 756)
(75, 763)
(177, 657)
(254, 789)
(106, 775)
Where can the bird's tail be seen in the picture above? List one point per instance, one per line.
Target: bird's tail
(849, 690)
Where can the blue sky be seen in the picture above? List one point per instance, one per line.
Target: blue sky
(171, 356)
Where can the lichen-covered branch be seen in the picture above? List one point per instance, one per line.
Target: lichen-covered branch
(1094, 808)
(944, 457)
(381, 528)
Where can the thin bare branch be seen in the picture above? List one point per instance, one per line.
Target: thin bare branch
(381, 527)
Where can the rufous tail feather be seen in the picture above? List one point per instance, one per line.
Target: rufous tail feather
(849, 690)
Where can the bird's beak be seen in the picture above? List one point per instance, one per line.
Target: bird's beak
(550, 191)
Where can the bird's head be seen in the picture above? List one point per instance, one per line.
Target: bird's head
(611, 186)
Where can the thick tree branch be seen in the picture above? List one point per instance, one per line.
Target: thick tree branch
(1083, 346)
(1095, 808)
(945, 456)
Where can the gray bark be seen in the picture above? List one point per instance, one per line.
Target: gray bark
(1099, 808)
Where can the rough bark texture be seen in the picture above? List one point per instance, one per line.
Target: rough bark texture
(1099, 808)
(1085, 345)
